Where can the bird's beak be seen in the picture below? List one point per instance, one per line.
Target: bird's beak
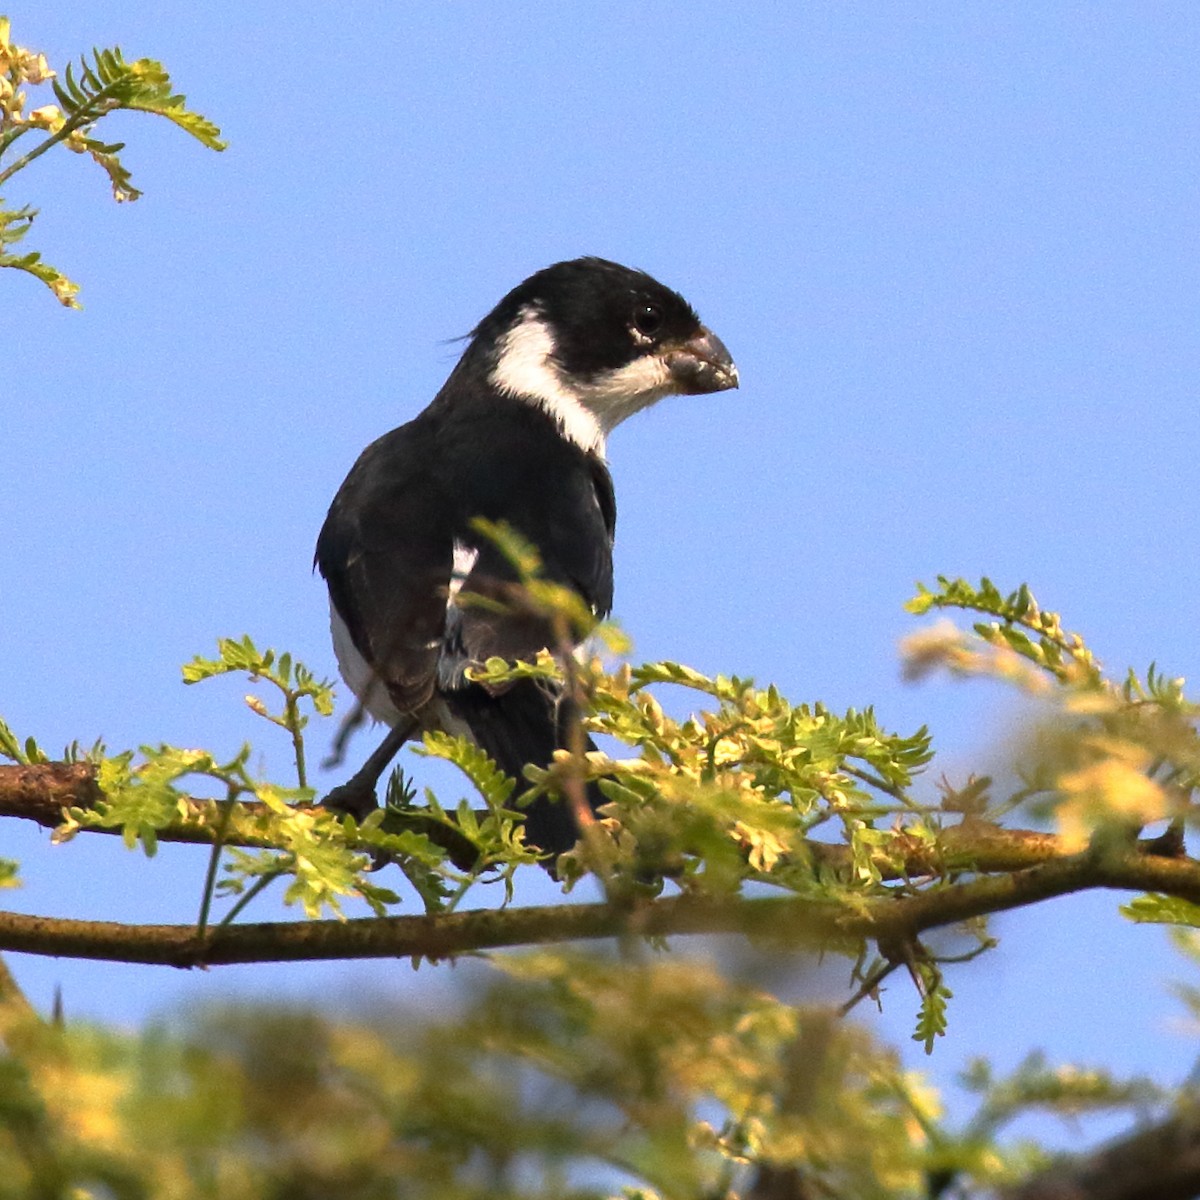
(701, 364)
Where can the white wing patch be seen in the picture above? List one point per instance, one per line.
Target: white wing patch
(452, 658)
(465, 558)
(357, 672)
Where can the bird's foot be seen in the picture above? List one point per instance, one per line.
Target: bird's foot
(357, 799)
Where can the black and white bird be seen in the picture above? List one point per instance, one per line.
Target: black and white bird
(516, 434)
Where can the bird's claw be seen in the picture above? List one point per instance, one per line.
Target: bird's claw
(352, 798)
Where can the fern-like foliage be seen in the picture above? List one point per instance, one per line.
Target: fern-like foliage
(1154, 909)
(12, 748)
(108, 82)
(1034, 1085)
(931, 1020)
(102, 83)
(14, 225)
(1021, 625)
(489, 781)
(143, 793)
(292, 678)
(740, 787)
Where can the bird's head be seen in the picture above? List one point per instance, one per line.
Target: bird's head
(592, 342)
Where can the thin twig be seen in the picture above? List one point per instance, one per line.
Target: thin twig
(78, 121)
(294, 724)
(259, 886)
(869, 987)
(214, 859)
(879, 784)
(574, 787)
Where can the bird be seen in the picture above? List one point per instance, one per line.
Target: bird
(516, 435)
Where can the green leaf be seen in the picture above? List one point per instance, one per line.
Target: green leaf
(497, 671)
(14, 225)
(140, 800)
(108, 82)
(522, 554)
(931, 1021)
(1156, 909)
(12, 748)
(672, 672)
(101, 85)
(1061, 653)
(154, 95)
(323, 866)
(10, 745)
(119, 177)
(64, 289)
(489, 781)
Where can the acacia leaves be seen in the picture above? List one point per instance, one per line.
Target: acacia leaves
(734, 791)
(104, 82)
(296, 683)
(1105, 756)
(1022, 629)
(12, 748)
(109, 82)
(714, 785)
(14, 225)
(264, 830)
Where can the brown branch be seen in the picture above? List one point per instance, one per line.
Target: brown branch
(42, 792)
(786, 921)
(39, 792)
(1025, 868)
(1159, 1163)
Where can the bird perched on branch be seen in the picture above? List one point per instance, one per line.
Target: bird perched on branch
(516, 435)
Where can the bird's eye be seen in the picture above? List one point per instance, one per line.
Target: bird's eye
(647, 318)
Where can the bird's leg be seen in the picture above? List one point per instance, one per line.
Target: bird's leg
(353, 721)
(357, 795)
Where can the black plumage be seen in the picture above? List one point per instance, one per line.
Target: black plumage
(517, 435)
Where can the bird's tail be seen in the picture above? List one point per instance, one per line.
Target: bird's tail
(523, 725)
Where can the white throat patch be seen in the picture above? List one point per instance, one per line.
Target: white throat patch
(526, 368)
(587, 411)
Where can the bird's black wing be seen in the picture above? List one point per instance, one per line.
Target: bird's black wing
(386, 551)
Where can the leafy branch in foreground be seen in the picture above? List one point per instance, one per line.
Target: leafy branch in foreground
(1021, 626)
(154, 790)
(104, 83)
(751, 789)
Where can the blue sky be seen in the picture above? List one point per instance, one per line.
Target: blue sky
(953, 249)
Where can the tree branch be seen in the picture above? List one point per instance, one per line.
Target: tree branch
(786, 921)
(41, 792)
